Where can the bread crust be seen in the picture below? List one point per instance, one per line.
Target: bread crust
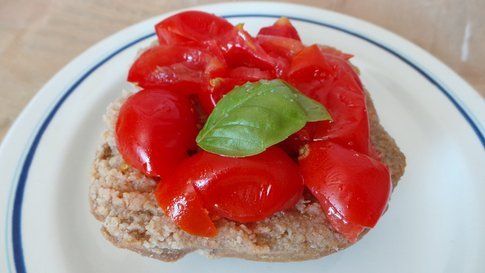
(122, 199)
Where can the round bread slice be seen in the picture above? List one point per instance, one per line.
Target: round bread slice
(122, 199)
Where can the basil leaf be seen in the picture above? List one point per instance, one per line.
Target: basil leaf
(255, 116)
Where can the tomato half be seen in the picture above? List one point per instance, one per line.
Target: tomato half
(154, 130)
(191, 27)
(283, 28)
(241, 189)
(351, 187)
(178, 68)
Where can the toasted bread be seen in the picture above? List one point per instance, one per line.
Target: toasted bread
(122, 199)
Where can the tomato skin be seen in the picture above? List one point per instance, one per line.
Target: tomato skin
(351, 186)
(178, 68)
(283, 28)
(179, 200)
(326, 76)
(154, 130)
(190, 27)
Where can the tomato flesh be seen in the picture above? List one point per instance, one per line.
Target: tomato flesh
(154, 130)
(283, 28)
(350, 186)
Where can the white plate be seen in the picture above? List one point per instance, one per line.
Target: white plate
(436, 220)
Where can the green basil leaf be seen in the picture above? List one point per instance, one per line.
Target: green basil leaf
(255, 116)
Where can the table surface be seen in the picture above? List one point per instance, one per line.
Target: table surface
(34, 35)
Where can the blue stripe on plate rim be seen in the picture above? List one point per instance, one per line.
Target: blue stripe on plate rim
(30, 152)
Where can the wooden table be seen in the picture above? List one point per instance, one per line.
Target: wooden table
(37, 38)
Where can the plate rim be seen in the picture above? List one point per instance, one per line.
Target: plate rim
(39, 129)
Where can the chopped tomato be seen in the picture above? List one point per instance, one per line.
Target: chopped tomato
(327, 77)
(334, 52)
(191, 27)
(278, 46)
(178, 199)
(352, 188)
(154, 130)
(177, 68)
(283, 28)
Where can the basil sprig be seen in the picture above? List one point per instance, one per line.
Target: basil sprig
(255, 116)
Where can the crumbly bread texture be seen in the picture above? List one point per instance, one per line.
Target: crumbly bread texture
(122, 199)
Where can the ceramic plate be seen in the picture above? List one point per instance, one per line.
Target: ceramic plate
(436, 220)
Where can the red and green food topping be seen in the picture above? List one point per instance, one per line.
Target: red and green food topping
(237, 127)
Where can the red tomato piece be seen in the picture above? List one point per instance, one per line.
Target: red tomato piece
(248, 189)
(218, 87)
(334, 52)
(154, 130)
(191, 26)
(240, 49)
(278, 46)
(282, 27)
(350, 126)
(324, 75)
(243, 189)
(178, 199)
(317, 65)
(351, 187)
(177, 68)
